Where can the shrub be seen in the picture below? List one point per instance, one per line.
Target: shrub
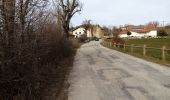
(118, 40)
(162, 33)
(75, 43)
(33, 64)
(83, 38)
(129, 33)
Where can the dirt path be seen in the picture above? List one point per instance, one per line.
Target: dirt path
(103, 74)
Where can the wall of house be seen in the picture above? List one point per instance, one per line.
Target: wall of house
(95, 32)
(123, 35)
(140, 35)
(135, 34)
(80, 31)
(152, 34)
(89, 34)
(98, 32)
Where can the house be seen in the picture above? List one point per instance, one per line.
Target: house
(139, 31)
(77, 32)
(98, 32)
(95, 31)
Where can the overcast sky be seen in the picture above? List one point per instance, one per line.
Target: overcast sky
(120, 12)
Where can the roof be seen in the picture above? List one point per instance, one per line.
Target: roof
(73, 29)
(138, 29)
(84, 26)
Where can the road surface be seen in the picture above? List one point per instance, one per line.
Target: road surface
(103, 74)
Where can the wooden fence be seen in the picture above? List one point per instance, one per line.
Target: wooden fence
(144, 48)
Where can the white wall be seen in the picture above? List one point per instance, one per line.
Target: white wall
(152, 34)
(140, 35)
(135, 34)
(89, 34)
(80, 31)
(123, 35)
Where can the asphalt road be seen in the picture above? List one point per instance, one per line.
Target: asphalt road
(103, 74)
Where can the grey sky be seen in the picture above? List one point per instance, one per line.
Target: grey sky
(120, 12)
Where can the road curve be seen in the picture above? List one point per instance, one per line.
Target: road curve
(103, 74)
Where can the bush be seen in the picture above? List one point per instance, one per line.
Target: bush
(83, 38)
(118, 40)
(129, 33)
(75, 43)
(30, 67)
(162, 33)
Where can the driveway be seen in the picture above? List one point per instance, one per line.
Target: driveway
(103, 74)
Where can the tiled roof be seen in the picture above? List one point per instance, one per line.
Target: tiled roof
(139, 29)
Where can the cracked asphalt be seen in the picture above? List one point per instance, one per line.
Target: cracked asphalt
(103, 74)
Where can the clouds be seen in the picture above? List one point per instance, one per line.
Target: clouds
(118, 12)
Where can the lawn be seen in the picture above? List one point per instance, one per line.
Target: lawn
(150, 42)
(151, 54)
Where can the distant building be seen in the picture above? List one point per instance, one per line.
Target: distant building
(78, 31)
(139, 31)
(98, 32)
(95, 31)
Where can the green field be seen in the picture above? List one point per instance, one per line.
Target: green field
(151, 54)
(150, 42)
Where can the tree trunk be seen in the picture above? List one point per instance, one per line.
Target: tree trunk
(8, 13)
(9, 17)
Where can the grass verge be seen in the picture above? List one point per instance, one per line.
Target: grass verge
(152, 55)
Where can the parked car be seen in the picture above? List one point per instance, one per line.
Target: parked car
(95, 38)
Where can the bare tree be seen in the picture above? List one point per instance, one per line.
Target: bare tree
(66, 9)
(88, 26)
(17, 48)
(31, 44)
(107, 30)
(154, 23)
(7, 17)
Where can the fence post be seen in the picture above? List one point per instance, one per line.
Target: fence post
(110, 44)
(115, 45)
(124, 47)
(164, 54)
(132, 45)
(144, 50)
(118, 45)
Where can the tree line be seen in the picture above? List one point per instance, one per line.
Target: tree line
(34, 37)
